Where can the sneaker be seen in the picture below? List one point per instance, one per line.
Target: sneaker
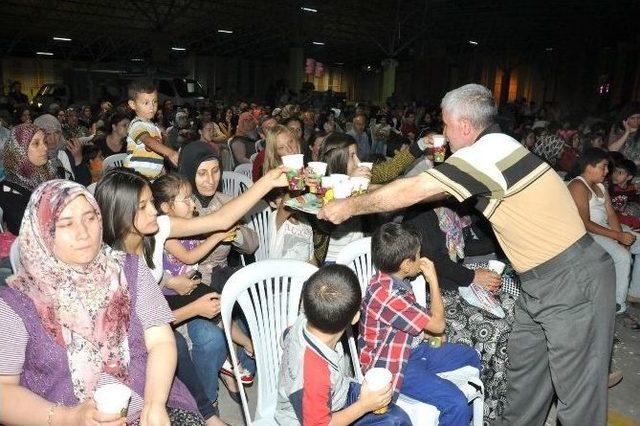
(245, 376)
(615, 377)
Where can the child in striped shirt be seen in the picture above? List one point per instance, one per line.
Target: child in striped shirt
(144, 139)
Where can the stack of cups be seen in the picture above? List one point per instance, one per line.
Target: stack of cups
(295, 165)
(113, 399)
(376, 379)
(318, 170)
(439, 148)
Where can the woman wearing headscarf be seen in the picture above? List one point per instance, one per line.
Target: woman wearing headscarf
(243, 143)
(27, 165)
(77, 316)
(67, 154)
(200, 164)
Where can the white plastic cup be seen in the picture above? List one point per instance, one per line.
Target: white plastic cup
(293, 161)
(376, 379)
(367, 165)
(342, 189)
(327, 182)
(112, 399)
(339, 177)
(318, 168)
(360, 183)
(496, 266)
(438, 141)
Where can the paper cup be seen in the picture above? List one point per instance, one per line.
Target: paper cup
(438, 141)
(367, 165)
(293, 161)
(112, 399)
(339, 177)
(318, 168)
(496, 266)
(327, 182)
(360, 184)
(342, 189)
(377, 378)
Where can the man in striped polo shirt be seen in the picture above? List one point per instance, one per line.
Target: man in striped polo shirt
(563, 330)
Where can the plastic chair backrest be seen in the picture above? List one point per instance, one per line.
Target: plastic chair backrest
(112, 161)
(1, 220)
(268, 293)
(245, 169)
(357, 256)
(258, 220)
(14, 256)
(234, 184)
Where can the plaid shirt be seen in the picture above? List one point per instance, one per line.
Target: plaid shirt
(390, 319)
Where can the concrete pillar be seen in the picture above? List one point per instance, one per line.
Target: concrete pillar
(389, 66)
(296, 68)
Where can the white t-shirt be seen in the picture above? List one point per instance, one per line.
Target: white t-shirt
(291, 241)
(164, 229)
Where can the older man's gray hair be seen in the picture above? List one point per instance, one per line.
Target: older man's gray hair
(473, 102)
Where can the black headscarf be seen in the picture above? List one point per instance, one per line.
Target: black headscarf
(191, 156)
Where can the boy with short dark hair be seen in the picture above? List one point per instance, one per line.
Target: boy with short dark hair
(393, 325)
(144, 140)
(314, 386)
(624, 193)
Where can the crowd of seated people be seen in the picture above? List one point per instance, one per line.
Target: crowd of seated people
(122, 282)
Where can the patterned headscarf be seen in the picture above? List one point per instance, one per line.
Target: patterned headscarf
(50, 124)
(84, 308)
(452, 225)
(19, 169)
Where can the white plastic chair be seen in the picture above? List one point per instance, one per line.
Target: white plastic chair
(112, 161)
(14, 256)
(268, 293)
(245, 169)
(1, 220)
(258, 220)
(357, 256)
(234, 184)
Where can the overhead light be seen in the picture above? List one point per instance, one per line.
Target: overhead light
(475, 43)
(137, 60)
(226, 31)
(318, 43)
(61, 39)
(549, 49)
(339, 63)
(309, 9)
(44, 53)
(179, 49)
(368, 68)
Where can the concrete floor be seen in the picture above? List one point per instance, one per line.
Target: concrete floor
(624, 399)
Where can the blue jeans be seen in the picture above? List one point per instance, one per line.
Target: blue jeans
(208, 352)
(422, 383)
(187, 374)
(395, 416)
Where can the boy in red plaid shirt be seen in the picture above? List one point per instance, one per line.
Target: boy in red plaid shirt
(393, 325)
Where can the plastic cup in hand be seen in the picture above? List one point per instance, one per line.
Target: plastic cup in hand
(376, 379)
(318, 168)
(496, 266)
(338, 177)
(439, 148)
(112, 399)
(342, 189)
(360, 184)
(367, 165)
(294, 164)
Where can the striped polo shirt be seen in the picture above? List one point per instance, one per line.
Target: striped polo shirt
(527, 203)
(141, 158)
